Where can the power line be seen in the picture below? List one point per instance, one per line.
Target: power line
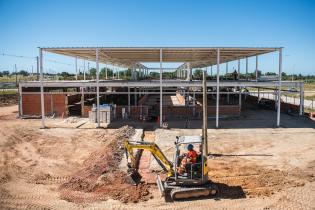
(17, 56)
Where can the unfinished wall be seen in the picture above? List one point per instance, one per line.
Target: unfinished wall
(54, 103)
(182, 111)
(135, 111)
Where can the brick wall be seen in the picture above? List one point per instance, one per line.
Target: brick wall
(54, 103)
(182, 111)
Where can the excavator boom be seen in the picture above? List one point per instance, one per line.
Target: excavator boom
(133, 176)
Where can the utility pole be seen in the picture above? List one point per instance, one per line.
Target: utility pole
(205, 114)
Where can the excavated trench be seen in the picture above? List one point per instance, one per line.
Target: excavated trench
(100, 177)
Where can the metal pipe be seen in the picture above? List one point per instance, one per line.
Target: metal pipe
(42, 87)
(218, 91)
(279, 87)
(97, 89)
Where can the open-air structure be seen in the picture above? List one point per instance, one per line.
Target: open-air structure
(226, 94)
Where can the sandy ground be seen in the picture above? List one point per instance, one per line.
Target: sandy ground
(256, 168)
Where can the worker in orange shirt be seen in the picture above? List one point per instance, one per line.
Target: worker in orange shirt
(190, 157)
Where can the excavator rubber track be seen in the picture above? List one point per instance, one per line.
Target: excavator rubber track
(193, 192)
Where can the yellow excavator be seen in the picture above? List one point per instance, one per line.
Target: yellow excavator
(192, 183)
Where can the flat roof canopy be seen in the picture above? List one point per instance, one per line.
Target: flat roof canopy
(198, 57)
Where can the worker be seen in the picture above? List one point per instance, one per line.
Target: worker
(189, 158)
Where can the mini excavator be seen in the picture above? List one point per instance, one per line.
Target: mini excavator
(193, 183)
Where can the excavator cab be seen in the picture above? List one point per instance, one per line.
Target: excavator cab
(192, 171)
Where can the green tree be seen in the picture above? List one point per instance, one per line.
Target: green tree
(198, 74)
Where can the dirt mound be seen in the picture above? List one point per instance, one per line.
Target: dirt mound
(8, 99)
(100, 177)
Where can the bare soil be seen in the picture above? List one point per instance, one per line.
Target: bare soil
(68, 168)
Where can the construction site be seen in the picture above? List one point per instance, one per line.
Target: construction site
(119, 142)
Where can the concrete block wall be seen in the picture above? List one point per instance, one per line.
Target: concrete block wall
(54, 103)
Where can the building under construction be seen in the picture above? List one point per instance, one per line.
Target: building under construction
(146, 98)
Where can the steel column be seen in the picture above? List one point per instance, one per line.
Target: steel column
(302, 99)
(98, 89)
(246, 68)
(128, 101)
(218, 90)
(76, 68)
(279, 87)
(256, 71)
(161, 89)
(84, 76)
(42, 99)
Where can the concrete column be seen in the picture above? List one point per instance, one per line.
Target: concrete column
(42, 100)
(161, 89)
(97, 88)
(218, 89)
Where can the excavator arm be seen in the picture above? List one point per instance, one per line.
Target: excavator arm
(147, 146)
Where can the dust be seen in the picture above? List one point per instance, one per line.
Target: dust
(100, 177)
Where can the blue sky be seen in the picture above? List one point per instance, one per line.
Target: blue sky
(26, 25)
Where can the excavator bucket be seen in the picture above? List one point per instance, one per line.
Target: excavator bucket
(133, 177)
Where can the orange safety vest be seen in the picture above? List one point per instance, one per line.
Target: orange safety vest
(192, 155)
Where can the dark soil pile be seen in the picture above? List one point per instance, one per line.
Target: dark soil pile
(100, 177)
(8, 99)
